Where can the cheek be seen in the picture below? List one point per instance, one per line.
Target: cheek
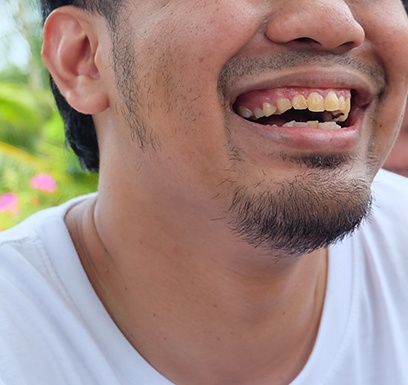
(404, 127)
(193, 42)
(179, 89)
(391, 51)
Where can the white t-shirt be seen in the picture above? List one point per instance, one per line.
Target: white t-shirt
(55, 331)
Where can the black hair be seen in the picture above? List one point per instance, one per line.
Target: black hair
(80, 131)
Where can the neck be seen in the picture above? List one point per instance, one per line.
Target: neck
(201, 313)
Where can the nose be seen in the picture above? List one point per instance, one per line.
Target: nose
(325, 25)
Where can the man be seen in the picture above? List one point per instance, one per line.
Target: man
(237, 143)
(397, 160)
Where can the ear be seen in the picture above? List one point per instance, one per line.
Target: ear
(71, 54)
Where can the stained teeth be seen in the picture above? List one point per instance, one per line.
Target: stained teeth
(283, 105)
(342, 103)
(258, 113)
(342, 118)
(315, 102)
(331, 102)
(347, 109)
(299, 102)
(268, 109)
(334, 108)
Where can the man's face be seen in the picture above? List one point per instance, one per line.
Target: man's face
(272, 116)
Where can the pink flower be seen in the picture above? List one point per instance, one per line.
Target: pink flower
(9, 203)
(43, 182)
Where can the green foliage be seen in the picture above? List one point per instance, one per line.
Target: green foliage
(31, 130)
(32, 143)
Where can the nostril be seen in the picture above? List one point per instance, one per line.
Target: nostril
(306, 40)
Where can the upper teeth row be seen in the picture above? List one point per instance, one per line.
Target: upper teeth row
(314, 103)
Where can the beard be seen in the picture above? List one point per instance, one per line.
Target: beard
(315, 209)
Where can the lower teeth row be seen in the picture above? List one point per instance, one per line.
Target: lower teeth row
(313, 124)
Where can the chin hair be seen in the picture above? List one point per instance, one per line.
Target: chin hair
(297, 216)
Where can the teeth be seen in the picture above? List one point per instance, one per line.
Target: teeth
(347, 109)
(334, 108)
(342, 118)
(315, 102)
(313, 123)
(331, 102)
(293, 123)
(342, 103)
(283, 105)
(245, 112)
(299, 102)
(268, 109)
(328, 126)
(258, 113)
(301, 124)
(289, 124)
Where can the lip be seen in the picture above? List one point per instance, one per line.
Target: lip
(311, 140)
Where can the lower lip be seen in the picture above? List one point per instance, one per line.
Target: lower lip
(313, 139)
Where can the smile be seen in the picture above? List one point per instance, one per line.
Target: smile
(296, 107)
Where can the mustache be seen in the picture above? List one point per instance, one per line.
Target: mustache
(255, 66)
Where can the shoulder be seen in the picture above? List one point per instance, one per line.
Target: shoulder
(381, 244)
(374, 349)
(29, 229)
(390, 191)
(26, 249)
(390, 205)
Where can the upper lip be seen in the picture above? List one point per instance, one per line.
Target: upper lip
(364, 90)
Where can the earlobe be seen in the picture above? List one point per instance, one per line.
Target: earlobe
(70, 52)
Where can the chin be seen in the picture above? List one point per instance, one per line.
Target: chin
(307, 212)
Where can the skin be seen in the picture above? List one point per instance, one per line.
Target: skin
(214, 308)
(397, 160)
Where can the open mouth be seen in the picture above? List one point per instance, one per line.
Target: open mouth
(325, 109)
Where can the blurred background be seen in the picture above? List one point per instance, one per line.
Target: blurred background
(36, 168)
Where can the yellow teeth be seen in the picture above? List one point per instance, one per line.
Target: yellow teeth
(299, 102)
(313, 123)
(258, 113)
(342, 103)
(342, 118)
(283, 105)
(336, 109)
(331, 102)
(268, 109)
(315, 102)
